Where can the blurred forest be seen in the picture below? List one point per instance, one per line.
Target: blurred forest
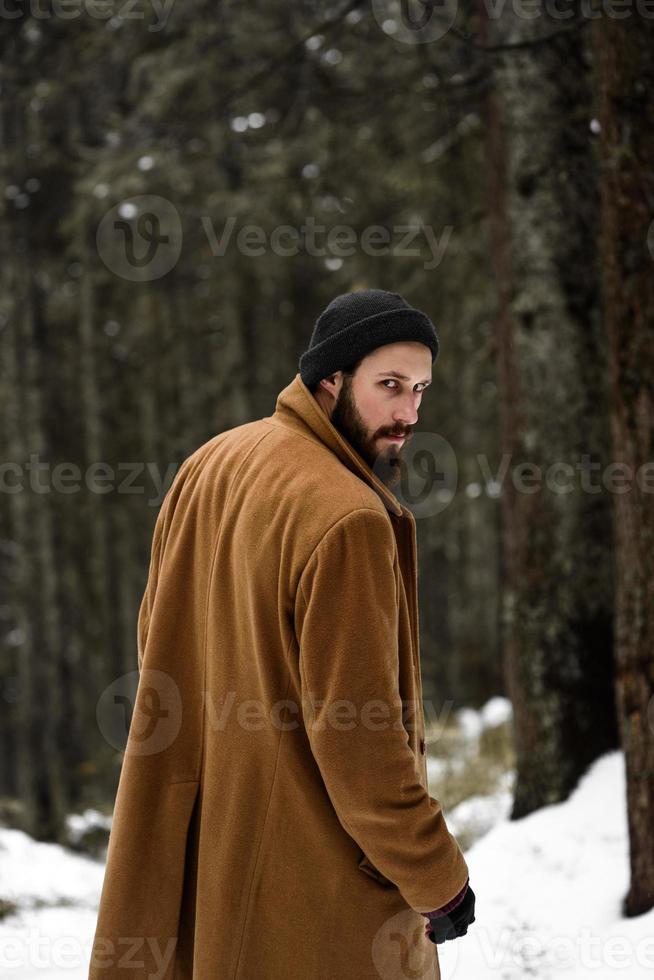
(519, 152)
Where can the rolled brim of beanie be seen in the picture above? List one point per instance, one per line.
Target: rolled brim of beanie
(360, 338)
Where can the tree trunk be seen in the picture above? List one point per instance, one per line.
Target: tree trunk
(624, 56)
(557, 596)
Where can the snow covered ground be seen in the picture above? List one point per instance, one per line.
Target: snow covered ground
(548, 891)
(57, 892)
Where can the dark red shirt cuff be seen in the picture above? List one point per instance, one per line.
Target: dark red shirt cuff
(450, 905)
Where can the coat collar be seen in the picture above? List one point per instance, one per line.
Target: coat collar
(297, 408)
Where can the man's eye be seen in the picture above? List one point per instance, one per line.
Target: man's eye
(419, 385)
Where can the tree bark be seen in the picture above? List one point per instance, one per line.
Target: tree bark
(557, 595)
(624, 71)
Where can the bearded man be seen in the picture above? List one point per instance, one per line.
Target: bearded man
(273, 819)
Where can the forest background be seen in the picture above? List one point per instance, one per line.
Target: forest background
(186, 186)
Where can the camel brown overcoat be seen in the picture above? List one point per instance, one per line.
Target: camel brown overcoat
(272, 819)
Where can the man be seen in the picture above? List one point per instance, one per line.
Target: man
(273, 820)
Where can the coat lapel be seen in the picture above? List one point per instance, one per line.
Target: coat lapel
(297, 408)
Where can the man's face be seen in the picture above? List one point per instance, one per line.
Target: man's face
(377, 404)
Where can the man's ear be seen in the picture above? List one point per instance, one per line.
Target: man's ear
(331, 384)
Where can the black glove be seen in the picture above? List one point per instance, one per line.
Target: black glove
(455, 923)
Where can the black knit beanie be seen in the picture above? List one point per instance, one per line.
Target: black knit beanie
(354, 324)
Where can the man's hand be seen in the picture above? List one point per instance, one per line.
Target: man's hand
(453, 919)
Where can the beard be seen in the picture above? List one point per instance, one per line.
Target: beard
(385, 462)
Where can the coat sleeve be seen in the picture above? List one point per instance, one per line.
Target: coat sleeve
(346, 620)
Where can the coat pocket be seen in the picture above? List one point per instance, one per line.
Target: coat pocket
(366, 865)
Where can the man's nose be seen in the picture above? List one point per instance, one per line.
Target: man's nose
(406, 413)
